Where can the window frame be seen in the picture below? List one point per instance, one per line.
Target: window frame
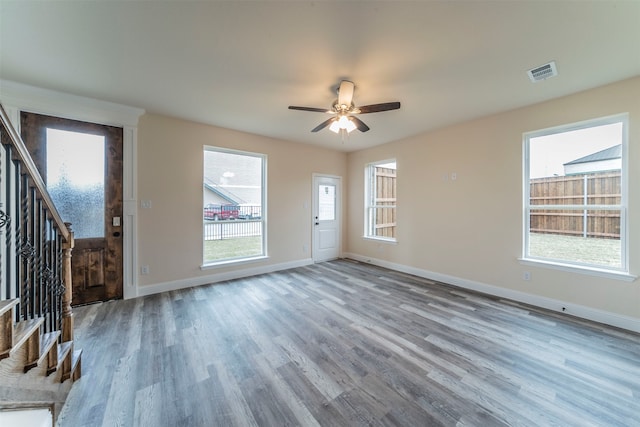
(369, 198)
(263, 210)
(576, 266)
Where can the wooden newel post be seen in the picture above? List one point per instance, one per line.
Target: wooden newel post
(67, 312)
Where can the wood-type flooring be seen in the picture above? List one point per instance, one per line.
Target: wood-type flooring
(347, 344)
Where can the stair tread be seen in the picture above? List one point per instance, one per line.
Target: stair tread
(76, 365)
(63, 350)
(77, 354)
(24, 329)
(6, 305)
(47, 341)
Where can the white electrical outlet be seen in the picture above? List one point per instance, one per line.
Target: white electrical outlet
(144, 269)
(526, 276)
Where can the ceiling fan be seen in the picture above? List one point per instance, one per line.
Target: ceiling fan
(344, 109)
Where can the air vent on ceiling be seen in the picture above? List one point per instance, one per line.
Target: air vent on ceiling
(543, 72)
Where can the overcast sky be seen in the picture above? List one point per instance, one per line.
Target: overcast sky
(549, 153)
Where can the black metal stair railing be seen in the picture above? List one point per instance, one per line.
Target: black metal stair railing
(32, 236)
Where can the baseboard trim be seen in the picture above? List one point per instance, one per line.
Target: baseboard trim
(219, 277)
(601, 316)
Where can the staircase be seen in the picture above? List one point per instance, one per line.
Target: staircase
(38, 362)
(34, 365)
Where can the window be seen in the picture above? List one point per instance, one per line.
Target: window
(380, 200)
(75, 179)
(575, 194)
(326, 202)
(233, 212)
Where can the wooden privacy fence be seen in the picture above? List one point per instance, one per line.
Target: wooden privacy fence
(385, 220)
(581, 193)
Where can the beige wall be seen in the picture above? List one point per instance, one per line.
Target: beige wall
(170, 176)
(471, 228)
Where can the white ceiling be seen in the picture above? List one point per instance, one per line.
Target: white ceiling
(239, 64)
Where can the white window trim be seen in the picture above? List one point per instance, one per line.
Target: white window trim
(367, 201)
(603, 271)
(574, 268)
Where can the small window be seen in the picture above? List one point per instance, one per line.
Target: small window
(380, 200)
(575, 187)
(233, 212)
(326, 202)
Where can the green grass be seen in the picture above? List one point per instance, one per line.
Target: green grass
(240, 247)
(589, 250)
(604, 252)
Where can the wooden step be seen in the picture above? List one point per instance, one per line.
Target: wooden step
(27, 334)
(52, 354)
(6, 326)
(65, 359)
(24, 330)
(63, 350)
(76, 365)
(46, 347)
(70, 361)
(7, 304)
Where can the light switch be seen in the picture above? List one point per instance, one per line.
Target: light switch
(116, 221)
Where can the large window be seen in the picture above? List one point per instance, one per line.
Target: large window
(234, 207)
(380, 200)
(575, 194)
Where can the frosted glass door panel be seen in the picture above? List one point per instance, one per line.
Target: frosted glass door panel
(75, 179)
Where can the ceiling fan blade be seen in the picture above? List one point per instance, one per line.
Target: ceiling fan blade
(359, 124)
(324, 124)
(315, 110)
(376, 108)
(345, 93)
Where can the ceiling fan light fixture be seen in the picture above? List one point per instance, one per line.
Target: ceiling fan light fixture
(350, 126)
(343, 122)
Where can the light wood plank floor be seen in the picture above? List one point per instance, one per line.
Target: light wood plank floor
(347, 344)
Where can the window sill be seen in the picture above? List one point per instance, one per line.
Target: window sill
(381, 239)
(590, 271)
(228, 262)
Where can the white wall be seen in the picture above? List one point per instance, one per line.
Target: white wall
(468, 231)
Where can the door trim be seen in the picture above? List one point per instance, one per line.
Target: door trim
(314, 208)
(18, 97)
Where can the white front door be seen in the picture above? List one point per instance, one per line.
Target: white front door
(326, 217)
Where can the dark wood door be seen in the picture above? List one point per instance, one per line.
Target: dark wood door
(81, 163)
